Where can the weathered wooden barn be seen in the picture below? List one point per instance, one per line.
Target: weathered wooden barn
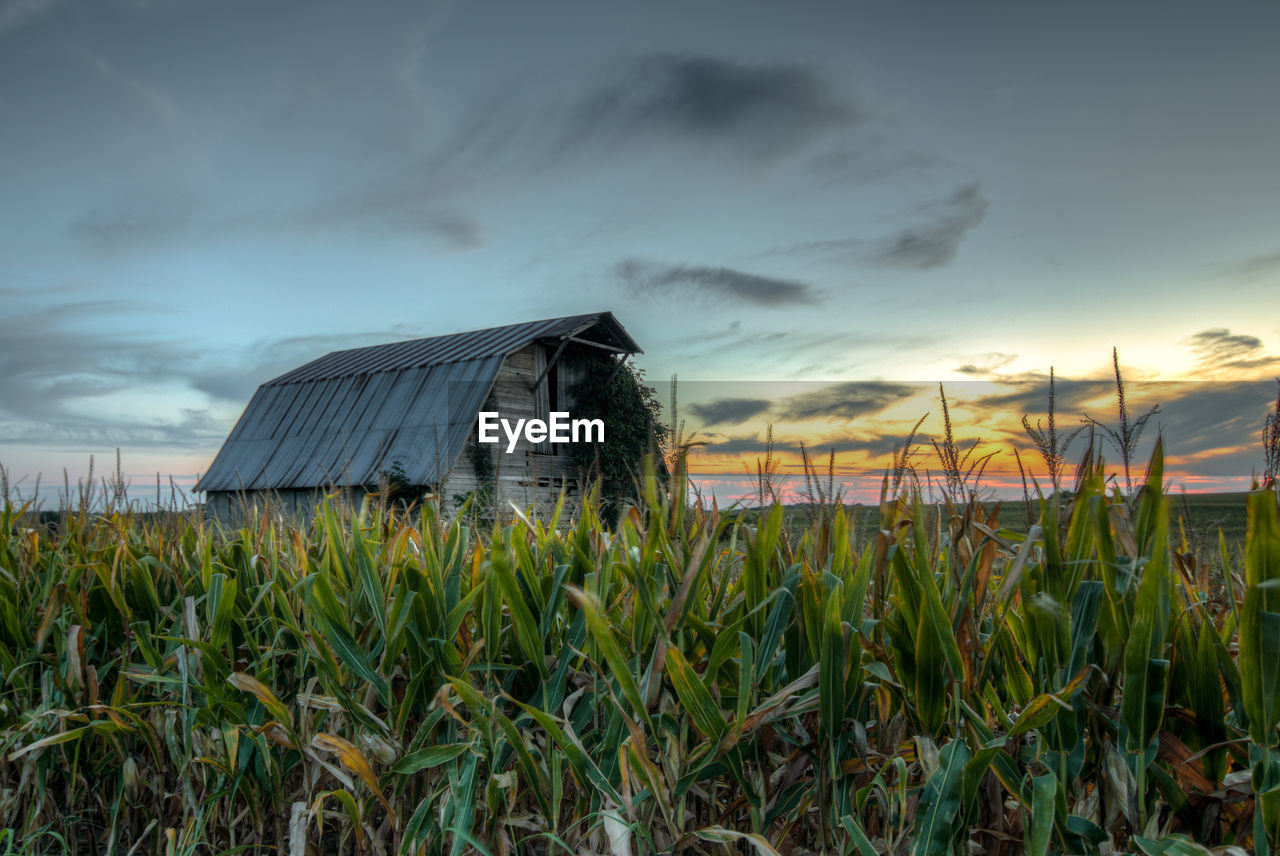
(407, 411)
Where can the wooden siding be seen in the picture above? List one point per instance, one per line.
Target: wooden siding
(529, 475)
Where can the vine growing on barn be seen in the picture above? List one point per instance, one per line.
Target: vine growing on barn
(633, 427)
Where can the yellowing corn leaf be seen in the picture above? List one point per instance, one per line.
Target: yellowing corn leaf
(721, 835)
(252, 685)
(353, 759)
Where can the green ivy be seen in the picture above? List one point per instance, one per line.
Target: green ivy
(633, 427)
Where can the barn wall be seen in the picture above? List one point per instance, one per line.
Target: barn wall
(531, 475)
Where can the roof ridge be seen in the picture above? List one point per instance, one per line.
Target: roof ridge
(469, 332)
(445, 348)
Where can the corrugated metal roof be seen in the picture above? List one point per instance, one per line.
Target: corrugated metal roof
(346, 431)
(345, 418)
(455, 347)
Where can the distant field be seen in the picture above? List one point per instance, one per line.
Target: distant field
(1201, 515)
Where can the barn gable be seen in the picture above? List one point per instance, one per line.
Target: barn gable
(347, 417)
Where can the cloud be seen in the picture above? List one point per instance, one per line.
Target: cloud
(985, 365)
(936, 243)
(875, 445)
(748, 444)
(1194, 417)
(18, 13)
(730, 411)
(62, 373)
(145, 223)
(1209, 428)
(1030, 396)
(1204, 416)
(1219, 348)
(754, 109)
(714, 283)
(1256, 267)
(51, 364)
(846, 401)
(737, 113)
(931, 244)
(805, 351)
(150, 97)
(234, 377)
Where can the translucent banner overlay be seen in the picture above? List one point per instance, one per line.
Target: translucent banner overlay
(852, 430)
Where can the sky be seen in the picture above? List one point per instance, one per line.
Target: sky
(776, 200)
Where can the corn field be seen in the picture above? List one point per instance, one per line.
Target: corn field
(679, 681)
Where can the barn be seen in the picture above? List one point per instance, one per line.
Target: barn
(407, 411)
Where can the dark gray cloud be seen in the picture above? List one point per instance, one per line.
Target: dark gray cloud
(738, 113)
(757, 109)
(718, 284)
(845, 400)
(935, 243)
(1194, 418)
(1219, 348)
(755, 444)
(730, 411)
(871, 444)
(1200, 417)
(1030, 396)
(58, 362)
(747, 444)
(55, 358)
(986, 365)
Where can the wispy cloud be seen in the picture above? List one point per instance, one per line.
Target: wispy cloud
(149, 222)
(53, 360)
(1030, 395)
(804, 350)
(145, 93)
(730, 411)
(746, 445)
(1201, 417)
(985, 365)
(1256, 267)
(845, 401)
(932, 242)
(718, 284)
(936, 242)
(19, 13)
(742, 114)
(59, 363)
(1219, 348)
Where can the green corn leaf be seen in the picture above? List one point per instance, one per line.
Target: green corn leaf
(432, 756)
(527, 634)
(831, 674)
(1260, 620)
(602, 635)
(1043, 790)
(350, 652)
(938, 818)
(695, 699)
(1146, 670)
